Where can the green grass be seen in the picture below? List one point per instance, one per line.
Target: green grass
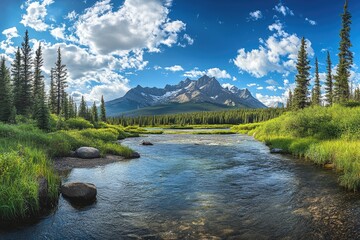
(26, 153)
(322, 135)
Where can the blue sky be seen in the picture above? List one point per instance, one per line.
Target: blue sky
(110, 46)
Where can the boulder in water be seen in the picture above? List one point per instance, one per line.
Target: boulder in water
(146, 143)
(277, 150)
(79, 193)
(87, 152)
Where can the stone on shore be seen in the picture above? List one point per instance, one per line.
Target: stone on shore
(87, 152)
(277, 150)
(79, 193)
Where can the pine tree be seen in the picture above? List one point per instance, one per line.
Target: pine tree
(289, 100)
(82, 108)
(52, 93)
(72, 113)
(60, 76)
(316, 92)
(94, 113)
(25, 97)
(341, 85)
(102, 110)
(5, 93)
(329, 81)
(38, 85)
(16, 80)
(42, 112)
(302, 78)
(65, 107)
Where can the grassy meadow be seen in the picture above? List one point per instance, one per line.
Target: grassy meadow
(322, 135)
(26, 154)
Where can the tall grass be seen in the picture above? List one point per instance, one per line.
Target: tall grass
(322, 135)
(26, 153)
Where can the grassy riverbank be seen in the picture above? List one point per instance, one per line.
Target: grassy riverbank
(322, 135)
(25, 157)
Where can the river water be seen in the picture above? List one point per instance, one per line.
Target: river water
(204, 187)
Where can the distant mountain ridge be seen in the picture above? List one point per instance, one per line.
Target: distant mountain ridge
(204, 90)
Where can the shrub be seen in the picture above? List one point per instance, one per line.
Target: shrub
(78, 123)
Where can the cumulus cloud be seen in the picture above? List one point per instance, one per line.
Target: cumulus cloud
(271, 88)
(278, 53)
(35, 15)
(251, 84)
(270, 100)
(188, 39)
(312, 22)
(175, 68)
(284, 10)
(137, 24)
(256, 15)
(7, 44)
(271, 82)
(212, 72)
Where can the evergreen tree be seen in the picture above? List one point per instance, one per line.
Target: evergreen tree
(329, 81)
(316, 92)
(60, 75)
(16, 80)
(25, 96)
(102, 110)
(38, 85)
(5, 93)
(289, 100)
(302, 78)
(72, 111)
(94, 113)
(52, 93)
(42, 112)
(65, 107)
(341, 85)
(82, 108)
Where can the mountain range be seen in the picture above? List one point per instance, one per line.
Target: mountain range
(204, 94)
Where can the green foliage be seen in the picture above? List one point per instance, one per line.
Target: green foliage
(78, 123)
(5, 93)
(322, 135)
(329, 81)
(316, 90)
(102, 110)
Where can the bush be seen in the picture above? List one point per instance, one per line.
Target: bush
(78, 123)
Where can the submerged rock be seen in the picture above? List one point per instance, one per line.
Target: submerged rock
(79, 193)
(43, 192)
(134, 155)
(87, 152)
(277, 150)
(146, 143)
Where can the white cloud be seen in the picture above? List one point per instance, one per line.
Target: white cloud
(270, 100)
(260, 88)
(312, 22)
(58, 32)
(227, 86)
(35, 15)
(271, 82)
(189, 40)
(156, 67)
(71, 15)
(256, 15)
(271, 88)
(234, 78)
(212, 72)
(175, 68)
(286, 82)
(136, 25)
(10, 33)
(284, 10)
(251, 84)
(8, 45)
(278, 53)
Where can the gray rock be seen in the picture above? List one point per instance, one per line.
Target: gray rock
(135, 155)
(146, 143)
(88, 152)
(72, 154)
(43, 192)
(277, 150)
(79, 193)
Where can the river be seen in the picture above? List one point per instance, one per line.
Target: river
(204, 187)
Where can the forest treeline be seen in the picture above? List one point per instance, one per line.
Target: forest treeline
(237, 116)
(22, 90)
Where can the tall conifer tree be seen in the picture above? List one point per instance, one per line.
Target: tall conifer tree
(341, 85)
(302, 80)
(102, 110)
(25, 97)
(60, 76)
(16, 80)
(316, 92)
(5, 93)
(329, 81)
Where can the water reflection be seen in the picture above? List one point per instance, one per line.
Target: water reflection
(204, 187)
